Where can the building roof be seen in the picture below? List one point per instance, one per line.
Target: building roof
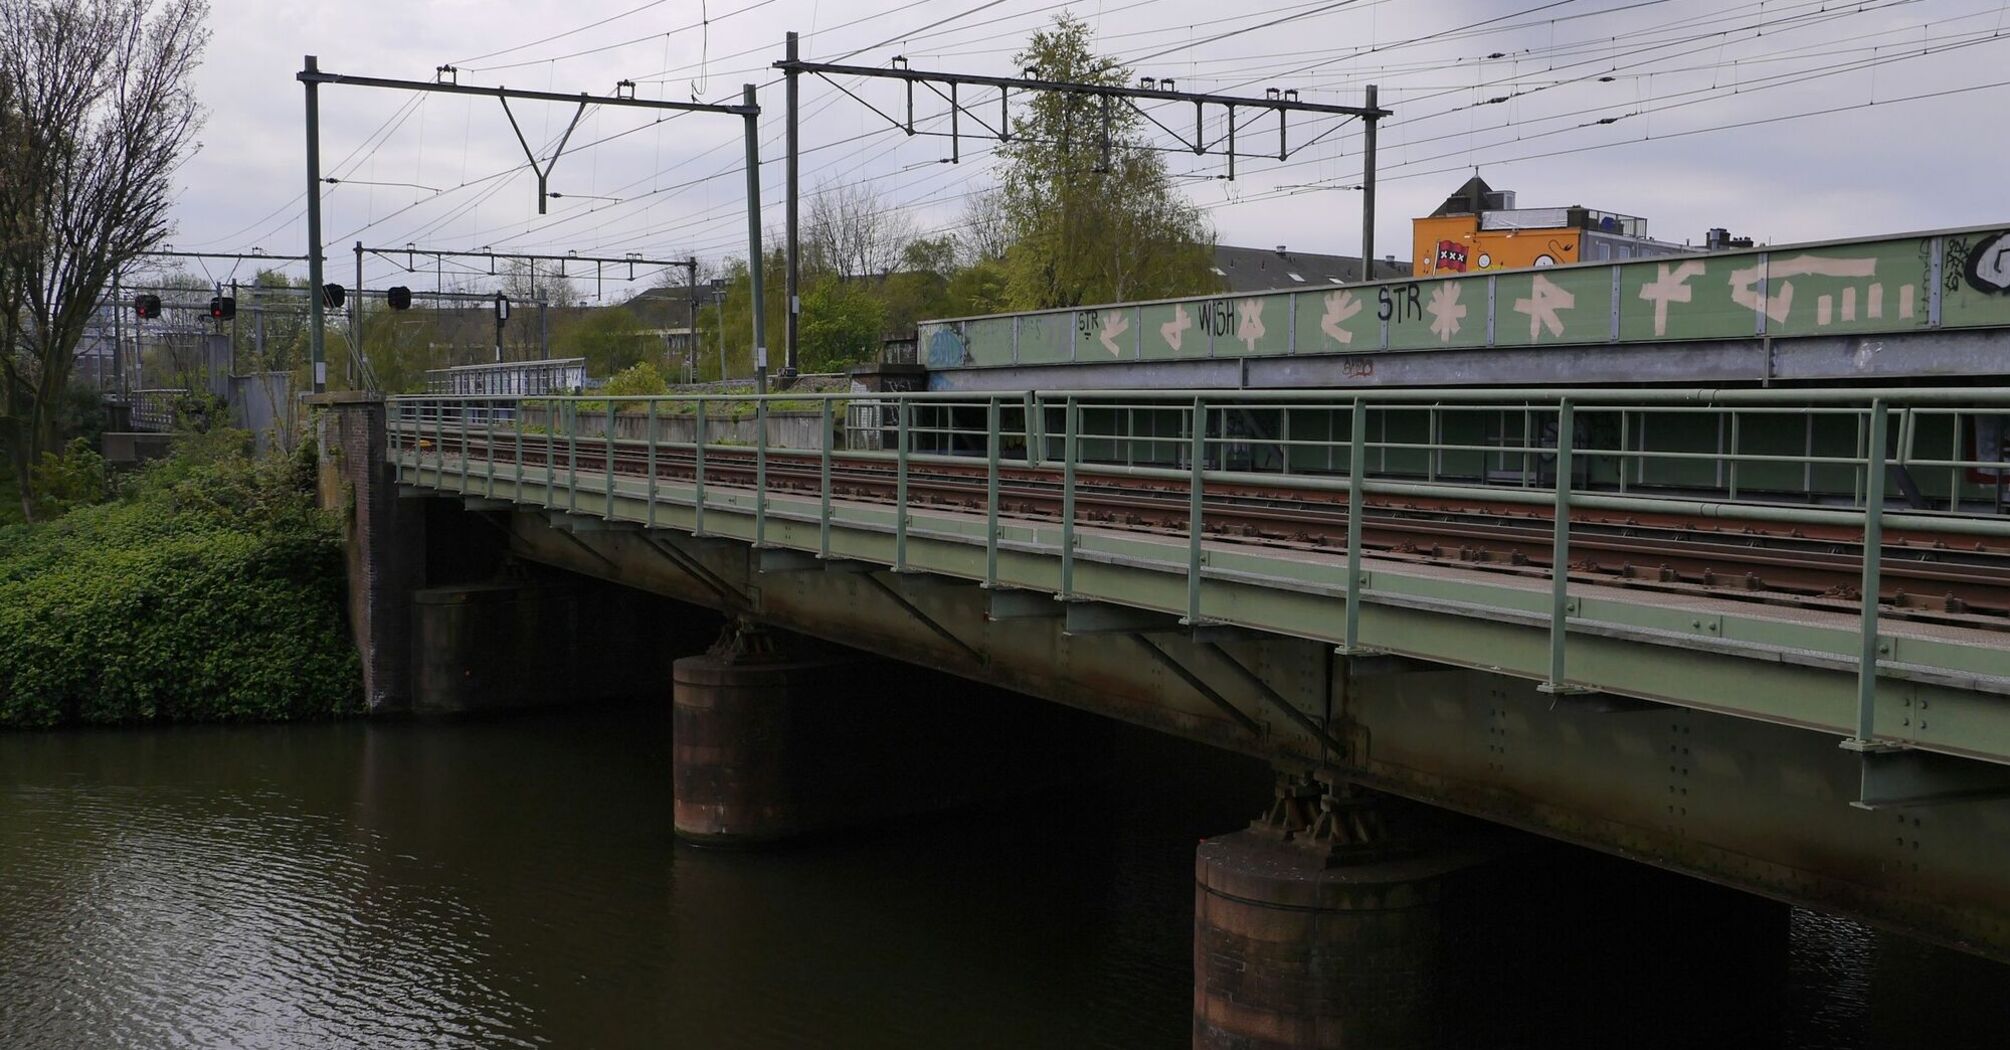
(666, 306)
(1261, 269)
(1472, 197)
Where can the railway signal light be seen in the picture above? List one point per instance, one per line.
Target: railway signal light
(333, 296)
(399, 297)
(223, 307)
(502, 308)
(147, 307)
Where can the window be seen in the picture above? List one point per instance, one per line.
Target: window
(1294, 277)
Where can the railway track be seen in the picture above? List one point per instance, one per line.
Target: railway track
(1931, 577)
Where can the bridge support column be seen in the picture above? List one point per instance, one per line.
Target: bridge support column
(384, 541)
(776, 737)
(1316, 928)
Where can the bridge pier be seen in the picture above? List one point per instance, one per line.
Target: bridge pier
(1315, 927)
(448, 622)
(776, 737)
(1345, 919)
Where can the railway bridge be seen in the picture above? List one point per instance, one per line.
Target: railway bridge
(1751, 631)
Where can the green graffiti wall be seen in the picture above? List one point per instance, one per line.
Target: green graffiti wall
(1951, 279)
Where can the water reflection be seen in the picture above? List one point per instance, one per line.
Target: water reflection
(513, 883)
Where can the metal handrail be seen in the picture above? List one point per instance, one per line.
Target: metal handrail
(1198, 412)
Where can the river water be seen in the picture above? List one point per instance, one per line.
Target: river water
(514, 883)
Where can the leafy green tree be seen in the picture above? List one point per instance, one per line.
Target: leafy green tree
(979, 288)
(738, 317)
(1092, 212)
(610, 339)
(842, 323)
(402, 346)
(919, 287)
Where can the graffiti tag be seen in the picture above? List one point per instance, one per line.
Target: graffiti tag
(1403, 302)
(1988, 269)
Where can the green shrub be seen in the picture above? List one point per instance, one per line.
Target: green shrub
(637, 381)
(212, 590)
(71, 478)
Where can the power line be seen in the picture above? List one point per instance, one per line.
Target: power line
(567, 33)
(703, 23)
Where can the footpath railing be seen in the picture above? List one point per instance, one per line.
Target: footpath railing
(529, 378)
(153, 409)
(1828, 462)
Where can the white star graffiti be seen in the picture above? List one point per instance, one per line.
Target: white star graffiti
(1114, 325)
(1249, 323)
(1445, 310)
(1339, 307)
(1670, 286)
(1544, 300)
(1175, 329)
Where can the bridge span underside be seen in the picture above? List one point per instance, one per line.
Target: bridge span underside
(1754, 805)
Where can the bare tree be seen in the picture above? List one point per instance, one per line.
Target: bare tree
(851, 230)
(987, 230)
(528, 283)
(17, 217)
(100, 113)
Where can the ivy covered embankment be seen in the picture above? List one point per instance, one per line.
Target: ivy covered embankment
(207, 587)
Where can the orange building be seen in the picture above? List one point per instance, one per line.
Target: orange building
(1480, 228)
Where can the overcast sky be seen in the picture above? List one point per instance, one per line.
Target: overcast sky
(1681, 76)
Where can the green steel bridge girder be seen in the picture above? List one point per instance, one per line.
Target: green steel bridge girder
(1728, 768)
(1893, 285)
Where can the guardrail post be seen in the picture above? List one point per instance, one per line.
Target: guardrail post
(1036, 431)
(1873, 553)
(1435, 428)
(1625, 461)
(761, 472)
(551, 410)
(608, 463)
(464, 437)
(1070, 424)
(824, 486)
(1196, 467)
(1559, 553)
(649, 452)
(571, 456)
(1357, 462)
(991, 443)
(900, 487)
(698, 472)
(516, 421)
(489, 421)
(439, 443)
(1731, 464)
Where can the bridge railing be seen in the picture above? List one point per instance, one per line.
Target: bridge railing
(154, 409)
(1840, 465)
